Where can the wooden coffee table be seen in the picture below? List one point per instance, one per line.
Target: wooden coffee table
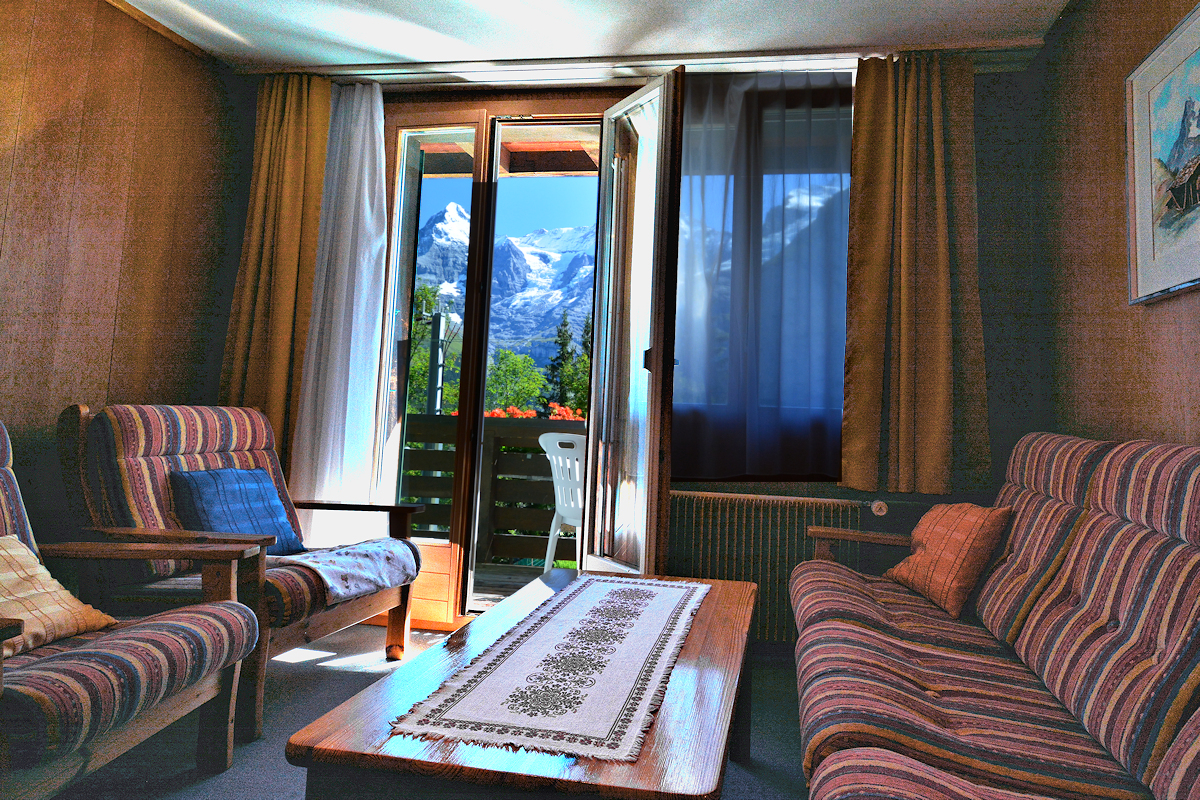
(705, 715)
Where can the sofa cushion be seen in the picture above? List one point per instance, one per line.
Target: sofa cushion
(985, 718)
(871, 773)
(55, 704)
(826, 590)
(234, 501)
(1178, 777)
(1046, 482)
(1116, 637)
(31, 594)
(1155, 485)
(950, 547)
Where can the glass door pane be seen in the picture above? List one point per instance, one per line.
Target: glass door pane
(435, 172)
(539, 340)
(629, 449)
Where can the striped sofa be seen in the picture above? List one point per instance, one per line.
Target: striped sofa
(69, 706)
(1081, 676)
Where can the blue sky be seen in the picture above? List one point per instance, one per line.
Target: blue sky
(523, 204)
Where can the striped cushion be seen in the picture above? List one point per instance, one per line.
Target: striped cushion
(1041, 528)
(132, 449)
(56, 704)
(1178, 777)
(1116, 637)
(984, 718)
(1155, 485)
(1046, 481)
(293, 592)
(869, 773)
(13, 521)
(951, 546)
(826, 590)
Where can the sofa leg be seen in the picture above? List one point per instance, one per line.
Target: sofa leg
(399, 625)
(251, 690)
(214, 745)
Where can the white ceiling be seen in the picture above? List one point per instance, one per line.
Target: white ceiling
(273, 34)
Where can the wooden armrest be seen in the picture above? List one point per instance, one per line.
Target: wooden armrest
(334, 505)
(822, 549)
(223, 566)
(399, 514)
(10, 628)
(847, 535)
(148, 550)
(185, 537)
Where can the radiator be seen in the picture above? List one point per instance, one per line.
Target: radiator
(758, 538)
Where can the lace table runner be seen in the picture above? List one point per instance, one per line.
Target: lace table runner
(581, 675)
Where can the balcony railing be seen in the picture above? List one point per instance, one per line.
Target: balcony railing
(516, 496)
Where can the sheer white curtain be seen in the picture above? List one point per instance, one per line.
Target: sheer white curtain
(332, 453)
(761, 307)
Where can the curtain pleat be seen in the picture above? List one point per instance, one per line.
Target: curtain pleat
(333, 452)
(915, 416)
(268, 326)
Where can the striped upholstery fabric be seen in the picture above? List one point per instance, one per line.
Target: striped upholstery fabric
(869, 773)
(131, 450)
(55, 704)
(1178, 777)
(1046, 481)
(293, 592)
(13, 521)
(1116, 634)
(984, 718)
(826, 590)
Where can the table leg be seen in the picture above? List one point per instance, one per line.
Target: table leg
(739, 734)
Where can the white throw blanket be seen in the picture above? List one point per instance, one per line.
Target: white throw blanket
(581, 675)
(354, 570)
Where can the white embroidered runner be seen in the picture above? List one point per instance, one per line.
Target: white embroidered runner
(582, 675)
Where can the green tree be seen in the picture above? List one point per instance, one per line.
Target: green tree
(512, 380)
(559, 366)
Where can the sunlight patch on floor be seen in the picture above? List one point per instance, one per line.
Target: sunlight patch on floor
(302, 654)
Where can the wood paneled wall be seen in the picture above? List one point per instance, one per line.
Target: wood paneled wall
(1119, 372)
(124, 171)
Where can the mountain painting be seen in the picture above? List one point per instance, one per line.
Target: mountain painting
(1175, 153)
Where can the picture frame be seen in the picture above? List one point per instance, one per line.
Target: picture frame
(1162, 121)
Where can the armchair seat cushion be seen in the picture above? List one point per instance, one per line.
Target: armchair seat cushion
(55, 701)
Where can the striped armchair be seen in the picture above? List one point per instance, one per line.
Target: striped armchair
(71, 703)
(122, 457)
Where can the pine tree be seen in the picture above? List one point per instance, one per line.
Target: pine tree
(559, 366)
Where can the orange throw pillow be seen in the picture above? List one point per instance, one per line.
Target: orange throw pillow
(950, 547)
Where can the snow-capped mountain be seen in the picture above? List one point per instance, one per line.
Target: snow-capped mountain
(535, 278)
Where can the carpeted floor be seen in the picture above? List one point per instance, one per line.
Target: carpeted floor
(339, 666)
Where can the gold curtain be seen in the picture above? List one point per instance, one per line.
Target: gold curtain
(272, 302)
(915, 417)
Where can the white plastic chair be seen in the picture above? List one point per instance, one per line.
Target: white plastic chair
(566, 452)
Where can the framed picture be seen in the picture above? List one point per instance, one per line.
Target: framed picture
(1162, 121)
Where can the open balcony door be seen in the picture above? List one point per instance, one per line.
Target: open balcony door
(629, 447)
